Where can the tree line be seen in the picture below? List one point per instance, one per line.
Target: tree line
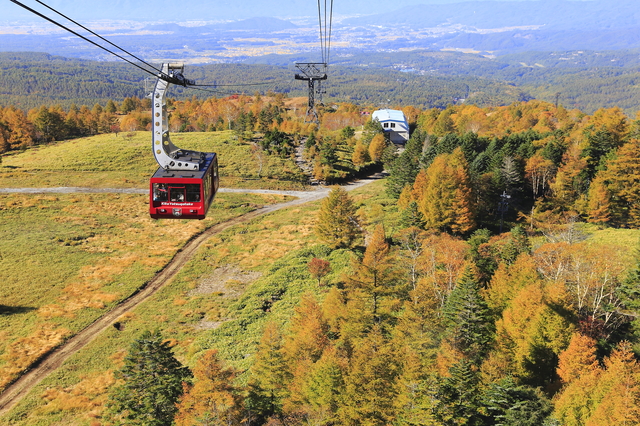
(420, 328)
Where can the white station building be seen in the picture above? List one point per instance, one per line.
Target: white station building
(394, 123)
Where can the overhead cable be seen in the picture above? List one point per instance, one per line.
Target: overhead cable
(81, 36)
(99, 36)
(158, 74)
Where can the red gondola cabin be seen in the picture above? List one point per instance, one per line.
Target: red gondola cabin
(184, 194)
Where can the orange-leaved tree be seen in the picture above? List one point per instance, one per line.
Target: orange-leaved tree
(213, 398)
(319, 268)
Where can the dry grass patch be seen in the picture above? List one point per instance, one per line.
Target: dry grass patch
(69, 261)
(23, 352)
(88, 396)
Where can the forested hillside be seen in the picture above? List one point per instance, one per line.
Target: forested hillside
(584, 80)
(490, 278)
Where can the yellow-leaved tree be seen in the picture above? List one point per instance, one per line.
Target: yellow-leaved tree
(338, 224)
(213, 398)
(444, 194)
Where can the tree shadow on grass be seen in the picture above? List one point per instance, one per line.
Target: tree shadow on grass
(12, 310)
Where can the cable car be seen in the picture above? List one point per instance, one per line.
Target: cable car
(184, 194)
(186, 182)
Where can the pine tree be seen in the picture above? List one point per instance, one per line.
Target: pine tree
(579, 358)
(360, 155)
(617, 395)
(338, 224)
(508, 403)
(599, 202)
(444, 194)
(623, 177)
(307, 334)
(152, 382)
(369, 385)
(629, 294)
(468, 320)
(404, 169)
(304, 344)
(324, 386)
(377, 147)
(458, 396)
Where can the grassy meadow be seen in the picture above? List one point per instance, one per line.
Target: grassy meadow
(67, 258)
(126, 161)
(216, 300)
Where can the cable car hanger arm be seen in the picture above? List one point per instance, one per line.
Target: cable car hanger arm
(169, 156)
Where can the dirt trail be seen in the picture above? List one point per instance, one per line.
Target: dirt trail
(53, 360)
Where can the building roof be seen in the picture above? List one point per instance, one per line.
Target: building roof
(388, 115)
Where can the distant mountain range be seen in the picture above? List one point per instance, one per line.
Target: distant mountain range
(487, 27)
(196, 10)
(552, 15)
(202, 10)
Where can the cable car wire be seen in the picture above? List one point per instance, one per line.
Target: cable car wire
(330, 24)
(81, 36)
(325, 29)
(233, 85)
(158, 74)
(99, 36)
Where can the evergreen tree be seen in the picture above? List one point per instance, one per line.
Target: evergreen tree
(370, 130)
(411, 216)
(110, 107)
(458, 397)
(469, 324)
(509, 404)
(403, 170)
(152, 383)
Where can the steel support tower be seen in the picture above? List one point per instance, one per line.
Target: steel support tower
(312, 72)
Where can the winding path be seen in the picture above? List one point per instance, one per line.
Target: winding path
(54, 359)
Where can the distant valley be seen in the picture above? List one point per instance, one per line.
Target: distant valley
(582, 54)
(490, 28)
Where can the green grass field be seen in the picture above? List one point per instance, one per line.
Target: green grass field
(272, 250)
(126, 161)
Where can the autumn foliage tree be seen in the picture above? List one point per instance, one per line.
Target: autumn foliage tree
(376, 275)
(338, 224)
(213, 399)
(319, 268)
(444, 194)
